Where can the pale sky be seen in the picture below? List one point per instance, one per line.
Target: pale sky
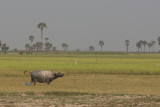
(80, 23)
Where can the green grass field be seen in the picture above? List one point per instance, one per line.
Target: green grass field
(93, 73)
(131, 64)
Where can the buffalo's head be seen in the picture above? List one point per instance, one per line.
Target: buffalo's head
(58, 74)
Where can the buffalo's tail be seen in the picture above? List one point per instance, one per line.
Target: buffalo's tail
(25, 72)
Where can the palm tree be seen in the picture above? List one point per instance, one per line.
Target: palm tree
(41, 26)
(144, 44)
(153, 42)
(39, 45)
(141, 42)
(31, 38)
(34, 46)
(27, 46)
(91, 48)
(0, 43)
(78, 50)
(67, 46)
(158, 40)
(64, 46)
(138, 45)
(127, 44)
(5, 47)
(101, 43)
(54, 48)
(150, 45)
(46, 39)
(48, 46)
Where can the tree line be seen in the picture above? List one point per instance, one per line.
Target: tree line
(47, 46)
(142, 44)
(4, 47)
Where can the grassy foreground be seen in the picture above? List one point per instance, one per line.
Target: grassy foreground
(133, 73)
(89, 84)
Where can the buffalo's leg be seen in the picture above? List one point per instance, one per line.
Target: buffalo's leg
(34, 82)
(48, 81)
(31, 81)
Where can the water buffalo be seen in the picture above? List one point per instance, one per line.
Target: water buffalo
(44, 76)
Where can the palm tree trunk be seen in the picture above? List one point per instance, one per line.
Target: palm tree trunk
(127, 48)
(101, 48)
(41, 34)
(4, 51)
(152, 48)
(42, 37)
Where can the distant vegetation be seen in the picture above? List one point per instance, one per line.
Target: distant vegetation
(4, 47)
(101, 43)
(47, 46)
(127, 44)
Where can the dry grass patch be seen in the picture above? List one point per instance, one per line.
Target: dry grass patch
(87, 83)
(81, 101)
